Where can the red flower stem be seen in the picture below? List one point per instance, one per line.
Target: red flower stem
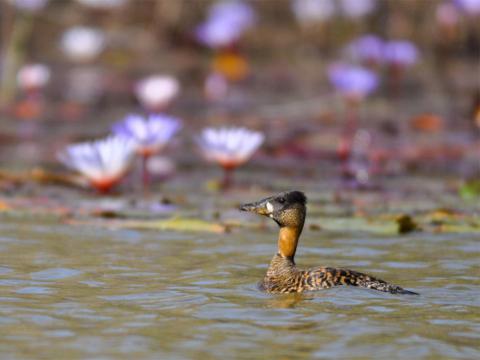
(396, 78)
(352, 119)
(351, 127)
(227, 181)
(145, 173)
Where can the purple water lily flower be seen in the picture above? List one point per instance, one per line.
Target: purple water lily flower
(103, 162)
(401, 53)
(217, 33)
(471, 7)
(229, 147)
(226, 23)
(353, 82)
(367, 49)
(149, 135)
(237, 13)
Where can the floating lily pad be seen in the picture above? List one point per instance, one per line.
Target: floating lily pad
(173, 224)
(470, 190)
(406, 224)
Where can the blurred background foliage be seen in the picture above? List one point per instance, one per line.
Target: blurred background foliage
(277, 79)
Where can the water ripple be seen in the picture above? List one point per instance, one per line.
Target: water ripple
(5, 270)
(35, 290)
(54, 274)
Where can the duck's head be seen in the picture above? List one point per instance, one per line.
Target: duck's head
(288, 208)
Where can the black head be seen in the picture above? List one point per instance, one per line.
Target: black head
(287, 208)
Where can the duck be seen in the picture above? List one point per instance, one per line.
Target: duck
(288, 209)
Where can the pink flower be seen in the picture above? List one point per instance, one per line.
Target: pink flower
(33, 76)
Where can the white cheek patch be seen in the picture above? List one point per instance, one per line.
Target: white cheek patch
(269, 208)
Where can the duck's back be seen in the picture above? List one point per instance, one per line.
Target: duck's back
(327, 277)
(284, 277)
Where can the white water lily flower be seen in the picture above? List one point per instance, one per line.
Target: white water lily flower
(230, 147)
(33, 76)
(157, 91)
(357, 8)
(307, 11)
(103, 162)
(29, 5)
(82, 43)
(149, 135)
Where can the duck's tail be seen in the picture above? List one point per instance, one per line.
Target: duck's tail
(332, 277)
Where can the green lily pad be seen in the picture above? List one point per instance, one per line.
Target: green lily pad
(172, 224)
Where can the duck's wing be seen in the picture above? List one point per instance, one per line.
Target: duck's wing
(327, 277)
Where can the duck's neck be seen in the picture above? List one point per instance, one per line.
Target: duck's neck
(288, 240)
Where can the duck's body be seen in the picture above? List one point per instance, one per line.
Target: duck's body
(283, 276)
(288, 210)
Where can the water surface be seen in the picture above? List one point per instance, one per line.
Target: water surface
(88, 292)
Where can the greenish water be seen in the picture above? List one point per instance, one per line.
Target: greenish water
(87, 292)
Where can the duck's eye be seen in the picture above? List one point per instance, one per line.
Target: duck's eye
(281, 200)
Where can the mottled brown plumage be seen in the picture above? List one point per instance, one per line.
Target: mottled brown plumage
(288, 210)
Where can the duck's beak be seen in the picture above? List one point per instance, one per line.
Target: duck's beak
(262, 207)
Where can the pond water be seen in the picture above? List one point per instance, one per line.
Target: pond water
(89, 292)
